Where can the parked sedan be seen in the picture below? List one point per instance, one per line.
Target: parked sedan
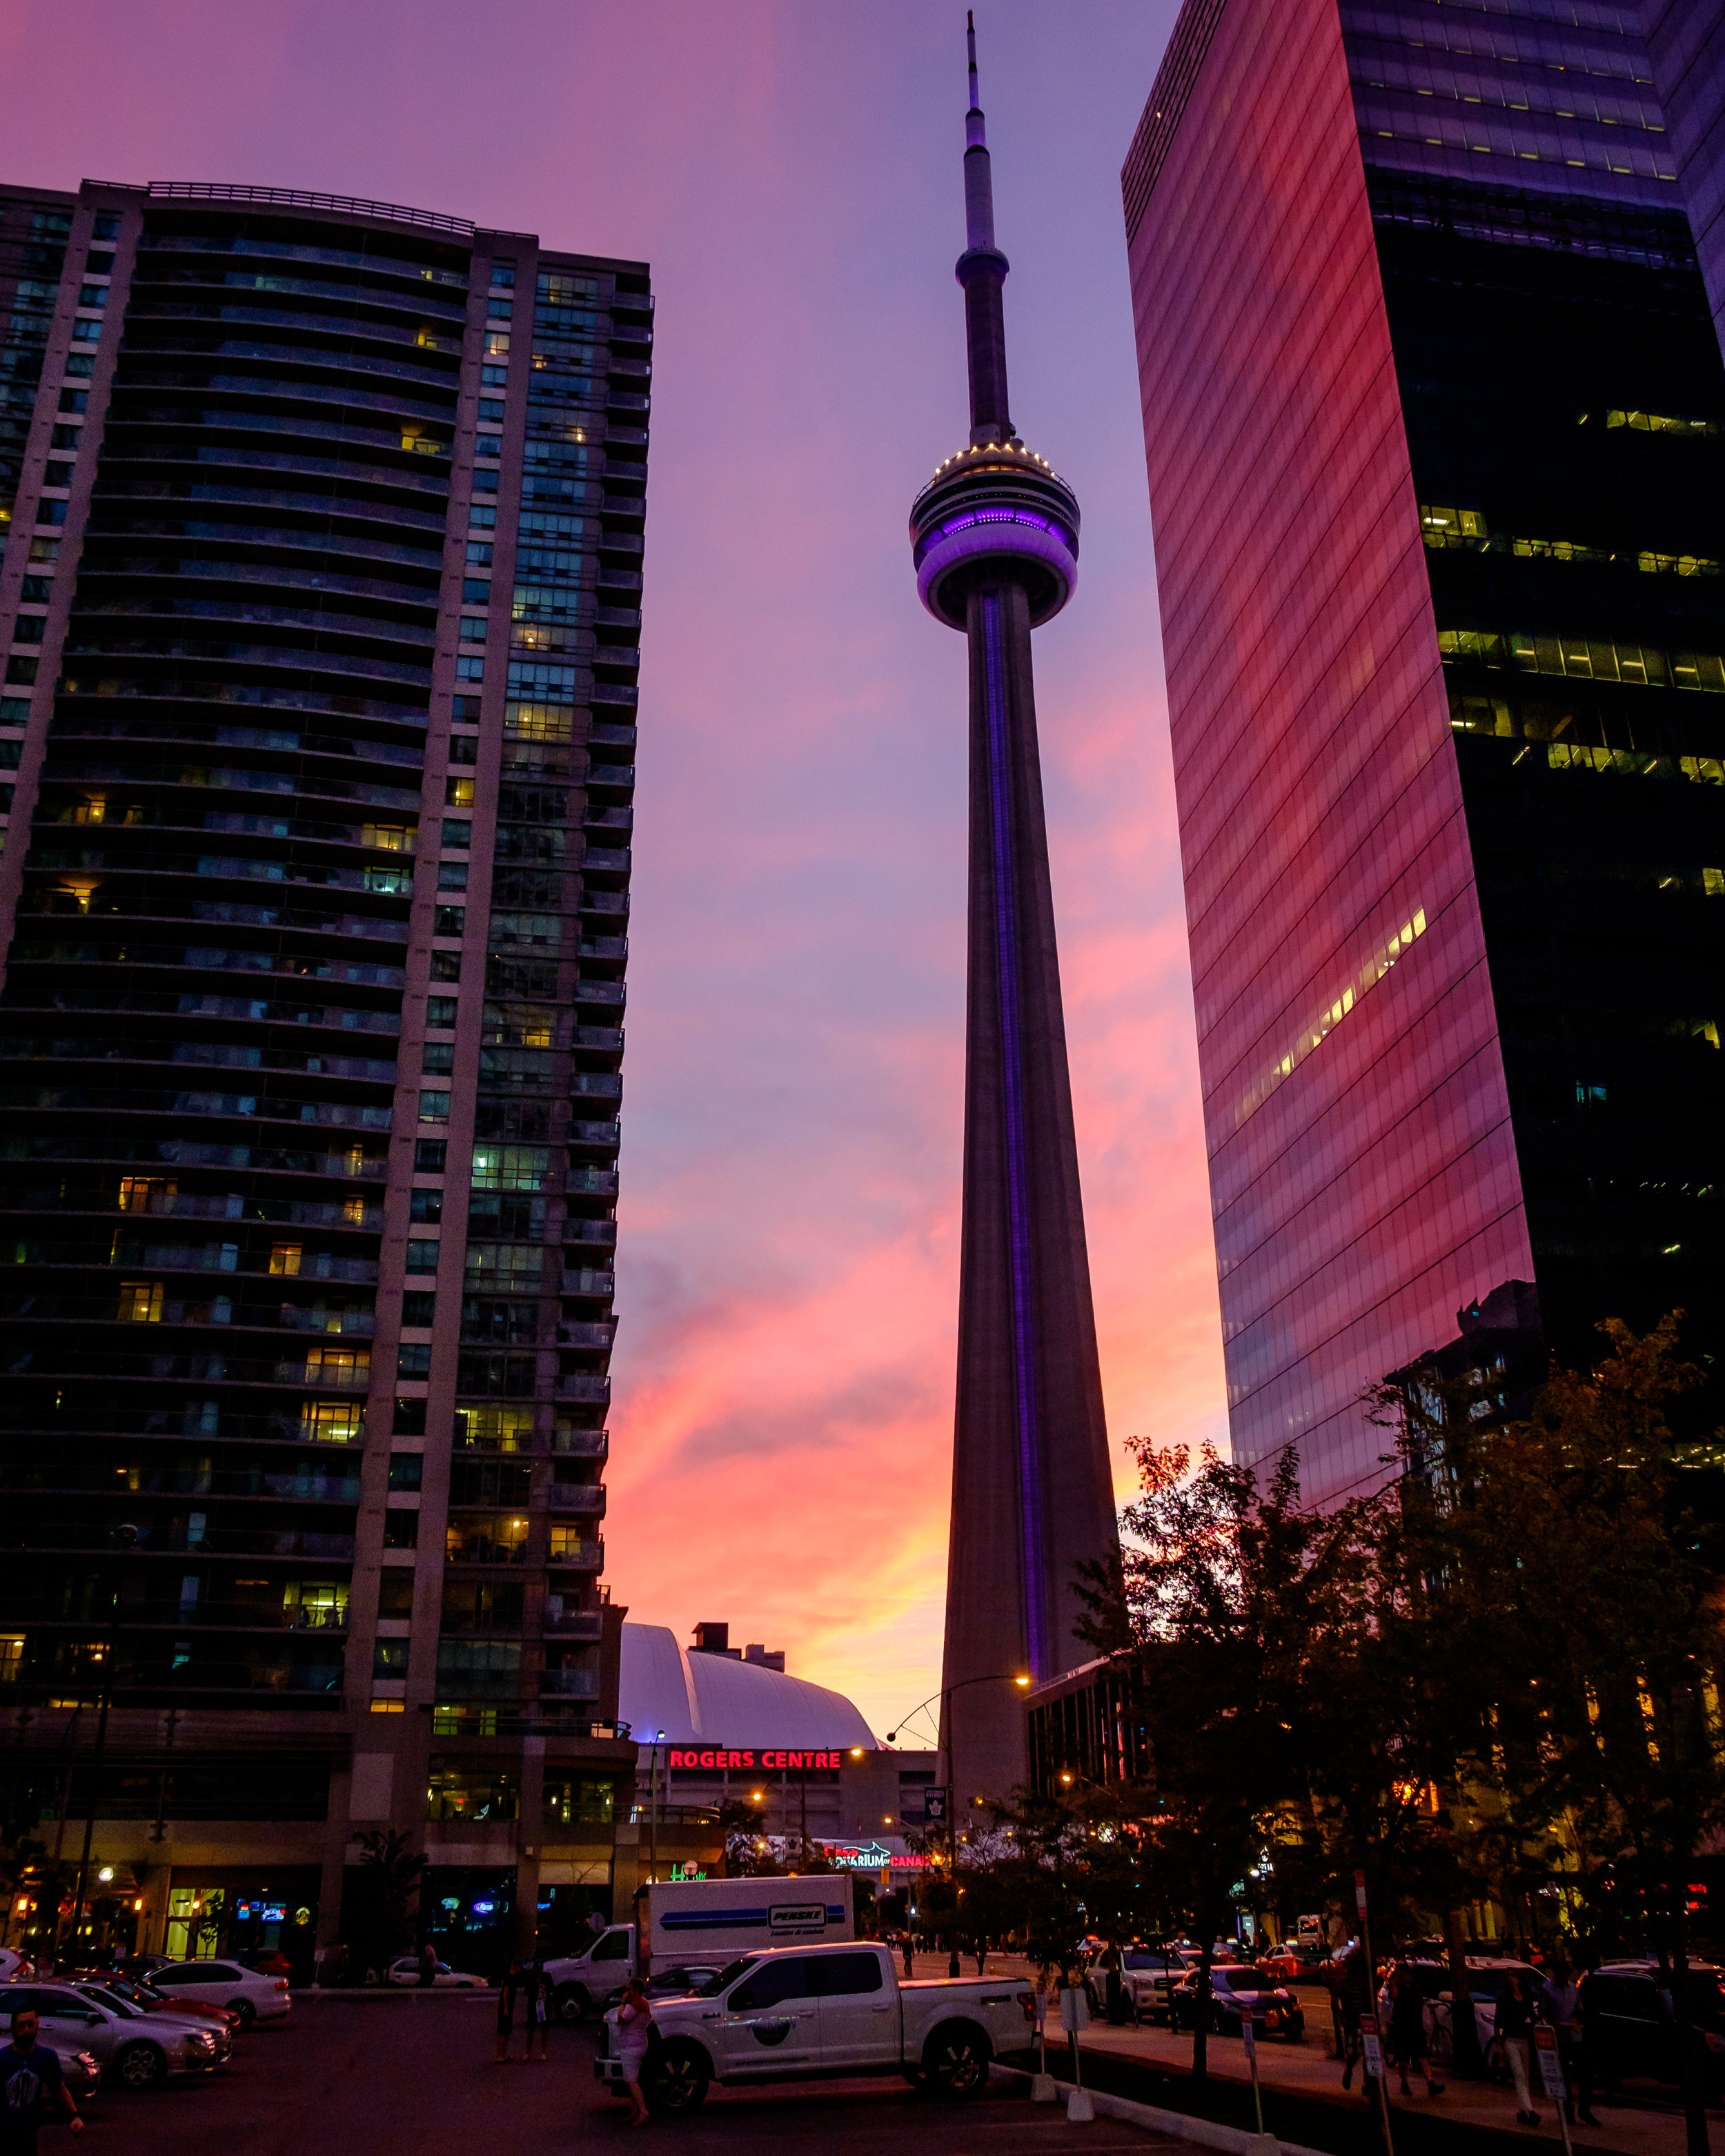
(137, 2051)
(252, 1997)
(1239, 1995)
(152, 2001)
(406, 1971)
(131, 2001)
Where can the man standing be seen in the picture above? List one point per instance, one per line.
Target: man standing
(1560, 2001)
(427, 1967)
(29, 2072)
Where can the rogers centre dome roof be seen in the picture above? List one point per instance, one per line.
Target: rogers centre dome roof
(671, 1695)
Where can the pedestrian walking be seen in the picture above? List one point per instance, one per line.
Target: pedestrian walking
(910, 1957)
(508, 1997)
(427, 1967)
(1351, 1988)
(1560, 2002)
(1407, 2042)
(29, 2074)
(538, 1993)
(634, 2033)
(1513, 2027)
(1113, 1987)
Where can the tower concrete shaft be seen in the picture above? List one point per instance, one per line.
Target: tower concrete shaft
(995, 536)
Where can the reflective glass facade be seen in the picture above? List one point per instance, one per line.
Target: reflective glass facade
(323, 589)
(1422, 912)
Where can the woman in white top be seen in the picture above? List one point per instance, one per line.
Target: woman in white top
(634, 2028)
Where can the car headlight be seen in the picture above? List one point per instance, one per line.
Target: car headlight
(87, 2060)
(1714, 2043)
(199, 2039)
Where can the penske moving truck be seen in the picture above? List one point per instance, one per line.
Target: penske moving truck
(708, 1922)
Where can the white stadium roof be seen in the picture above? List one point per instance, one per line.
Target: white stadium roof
(670, 1695)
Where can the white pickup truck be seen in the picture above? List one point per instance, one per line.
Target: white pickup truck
(824, 2013)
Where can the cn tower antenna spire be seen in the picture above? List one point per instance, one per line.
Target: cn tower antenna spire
(982, 271)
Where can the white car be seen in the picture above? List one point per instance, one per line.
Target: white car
(252, 1997)
(14, 1967)
(137, 2051)
(406, 1971)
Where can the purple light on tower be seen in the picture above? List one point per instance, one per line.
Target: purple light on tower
(994, 537)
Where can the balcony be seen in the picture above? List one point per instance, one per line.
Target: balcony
(591, 1182)
(578, 1556)
(590, 1231)
(584, 1385)
(562, 1624)
(584, 1333)
(597, 1085)
(583, 1443)
(568, 1684)
(589, 1497)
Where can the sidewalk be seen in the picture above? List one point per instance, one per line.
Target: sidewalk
(1650, 2124)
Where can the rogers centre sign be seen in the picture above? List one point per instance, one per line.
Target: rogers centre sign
(718, 1758)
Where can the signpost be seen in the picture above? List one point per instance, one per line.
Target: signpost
(1042, 2085)
(1551, 2072)
(1075, 2014)
(1249, 2037)
(1368, 2021)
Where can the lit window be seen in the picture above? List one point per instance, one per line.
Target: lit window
(331, 1422)
(392, 838)
(139, 1194)
(140, 1302)
(350, 1366)
(285, 1257)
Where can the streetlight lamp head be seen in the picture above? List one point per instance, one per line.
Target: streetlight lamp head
(1023, 1683)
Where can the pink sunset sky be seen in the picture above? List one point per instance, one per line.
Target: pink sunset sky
(789, 1239)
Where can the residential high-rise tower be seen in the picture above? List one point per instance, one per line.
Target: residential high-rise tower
(321, 584)
(1434, 415)
(995, 535)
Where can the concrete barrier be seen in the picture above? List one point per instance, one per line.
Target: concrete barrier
(1228, 2140)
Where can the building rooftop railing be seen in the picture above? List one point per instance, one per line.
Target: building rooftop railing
(306, 199)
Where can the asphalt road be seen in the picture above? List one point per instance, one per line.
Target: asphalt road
(415, 2076)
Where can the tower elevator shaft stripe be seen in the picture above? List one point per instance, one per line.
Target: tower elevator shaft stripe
(1017, 1179)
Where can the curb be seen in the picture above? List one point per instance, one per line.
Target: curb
(1229, 2140)
(389, 1995)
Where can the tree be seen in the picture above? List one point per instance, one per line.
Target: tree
(1208, 1607)
(1576, 1539)
(391, 1870)
(748, 1854)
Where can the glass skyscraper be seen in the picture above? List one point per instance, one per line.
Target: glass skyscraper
(321, 580)
(1434, 411)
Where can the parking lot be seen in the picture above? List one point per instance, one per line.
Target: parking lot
(415, 2074)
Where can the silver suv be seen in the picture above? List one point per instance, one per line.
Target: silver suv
(138, 2051)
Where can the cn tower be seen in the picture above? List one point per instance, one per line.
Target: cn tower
(995, 535)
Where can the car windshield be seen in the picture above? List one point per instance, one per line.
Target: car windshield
(131, 1993)
(1143, 1961)
(1242, 1979)
(728, 1975)
(103, 1997)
